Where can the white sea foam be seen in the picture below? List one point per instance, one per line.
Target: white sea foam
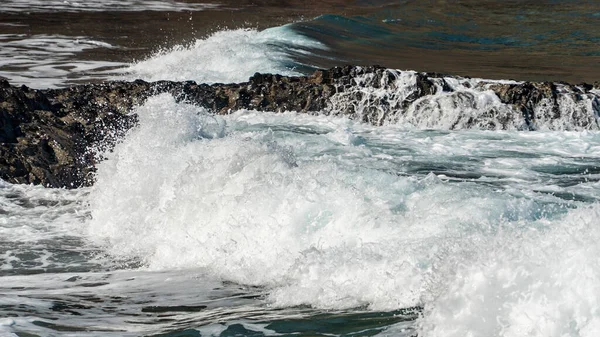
(33, 213)
(227, 56)
(531, 283)
(37, 225)
(492, 232)
(317, 210)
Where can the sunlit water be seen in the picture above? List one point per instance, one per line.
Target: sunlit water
(262, 224)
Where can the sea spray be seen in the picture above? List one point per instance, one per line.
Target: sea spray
(275, 224)
(308, 215)
(267, 219)
(228, 56)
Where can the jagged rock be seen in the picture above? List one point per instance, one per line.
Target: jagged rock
(53, 137)
(525, 96)
(528, 96)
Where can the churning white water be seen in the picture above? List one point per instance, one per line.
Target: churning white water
(251, 222)
(333, 214)
(493, 233)
(228, 56)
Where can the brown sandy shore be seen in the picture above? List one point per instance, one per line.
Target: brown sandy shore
(47, 136)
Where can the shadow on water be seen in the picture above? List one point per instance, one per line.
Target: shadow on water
(231, 313)
(355, 323)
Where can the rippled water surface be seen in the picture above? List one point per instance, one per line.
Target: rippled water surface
(523, 40)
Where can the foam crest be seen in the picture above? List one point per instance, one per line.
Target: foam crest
(290, 208)
(228, 56)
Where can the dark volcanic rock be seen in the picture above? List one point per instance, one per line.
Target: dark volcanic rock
(526, 96)
(37, 145)
(53, 137)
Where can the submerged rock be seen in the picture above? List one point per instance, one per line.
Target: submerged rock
(53, 137)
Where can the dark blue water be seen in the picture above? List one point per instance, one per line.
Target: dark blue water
(524, 40)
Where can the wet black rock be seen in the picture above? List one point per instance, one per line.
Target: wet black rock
(526, 96)
(542, 100)
(54, 137)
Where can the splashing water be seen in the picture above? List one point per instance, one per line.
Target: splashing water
(491, 233)
(228, 56)
(540, 282)
(320, 211)
(272, 224)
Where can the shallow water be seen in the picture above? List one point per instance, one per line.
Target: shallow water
(263, 224)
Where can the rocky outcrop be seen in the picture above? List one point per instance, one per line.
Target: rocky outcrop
(46, 136)
(527, 98)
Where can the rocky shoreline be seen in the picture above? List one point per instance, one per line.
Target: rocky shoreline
(46, 135)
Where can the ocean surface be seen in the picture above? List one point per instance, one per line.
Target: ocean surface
(288, 224)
